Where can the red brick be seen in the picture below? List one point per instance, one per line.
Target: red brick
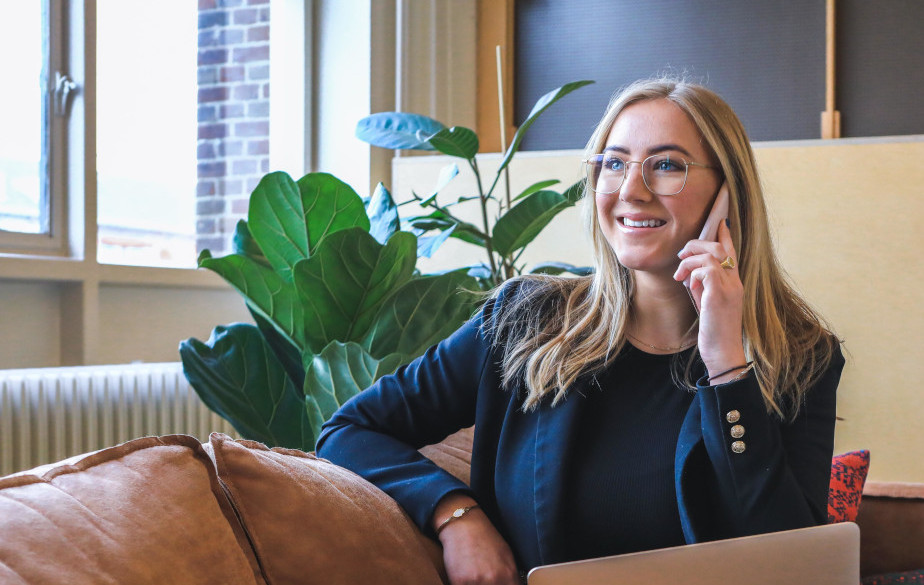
(266, 90)
(212, 169)
(205, 151)
(232, 73)
(244, 167)
(213, 56)
(246, 16)
(258, 109)
(205, 188)
(258, 33)
(210, 207)
(212, 94)
(210, 131)
(258, 72)
(251, 129)
(253, 182)
(228, 111)
(257, 2)
(230, 148)
(230, 187)
(251, 54)
(264, 165)
(210, 18)
(206, 4)
(246, 92)
(205, 227)
(240, 206)
(256, 147)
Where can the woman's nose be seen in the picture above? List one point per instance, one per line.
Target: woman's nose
(633, 185)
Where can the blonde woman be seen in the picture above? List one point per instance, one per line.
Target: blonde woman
(684, 392)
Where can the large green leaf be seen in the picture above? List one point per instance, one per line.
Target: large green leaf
(535, 187)
(447, 174)
(427, 245)
(398, 130)
(344, 283)
(288, 219)
(456, 141)
(338, 373)
(574, 193)
(264, 289)
(244, 244)
(288, 354)
(556, 268)
(523, 222)
(237, 375)
(541, 105)
(423, 312)
(383, 215)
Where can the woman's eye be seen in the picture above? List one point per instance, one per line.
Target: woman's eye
(667, 165)
(613, 164)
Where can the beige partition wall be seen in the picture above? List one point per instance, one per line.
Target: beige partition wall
(848, 218)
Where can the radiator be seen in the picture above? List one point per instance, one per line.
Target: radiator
(50, 414)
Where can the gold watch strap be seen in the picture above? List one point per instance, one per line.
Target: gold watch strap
(456, 514)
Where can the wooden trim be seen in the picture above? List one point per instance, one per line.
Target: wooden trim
(830, 118)
(495, 27)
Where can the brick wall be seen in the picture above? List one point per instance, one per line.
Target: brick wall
(233, 143)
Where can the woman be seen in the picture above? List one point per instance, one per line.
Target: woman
(682, 393)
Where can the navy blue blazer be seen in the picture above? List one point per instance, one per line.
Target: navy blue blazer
(778, 482)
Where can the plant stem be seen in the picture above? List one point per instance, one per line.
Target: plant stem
(482, 199)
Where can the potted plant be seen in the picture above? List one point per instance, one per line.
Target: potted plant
(332, 284)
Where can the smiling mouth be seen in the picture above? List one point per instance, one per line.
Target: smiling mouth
(649, 223)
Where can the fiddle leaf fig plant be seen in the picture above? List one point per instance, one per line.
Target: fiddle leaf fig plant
(517, 220)
(332, 285)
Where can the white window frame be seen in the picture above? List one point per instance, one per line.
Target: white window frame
(52, 241)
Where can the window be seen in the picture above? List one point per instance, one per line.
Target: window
(31, 120)
(178, 98)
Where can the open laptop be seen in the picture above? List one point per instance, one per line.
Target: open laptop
(823, 555)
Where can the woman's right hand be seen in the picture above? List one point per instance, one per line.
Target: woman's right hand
(474, 552)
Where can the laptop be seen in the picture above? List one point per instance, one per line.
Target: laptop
(822, 555)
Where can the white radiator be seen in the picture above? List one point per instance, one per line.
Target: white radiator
(49, 414)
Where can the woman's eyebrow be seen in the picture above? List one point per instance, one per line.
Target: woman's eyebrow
(652, 150)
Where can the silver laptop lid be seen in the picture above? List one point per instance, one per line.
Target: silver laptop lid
(823, 555)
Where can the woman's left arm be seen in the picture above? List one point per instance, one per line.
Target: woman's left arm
(771, 474)
(768, 474)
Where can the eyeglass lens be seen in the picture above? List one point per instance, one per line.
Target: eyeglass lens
(663, 174)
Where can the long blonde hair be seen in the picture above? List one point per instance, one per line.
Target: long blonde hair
(557, 329)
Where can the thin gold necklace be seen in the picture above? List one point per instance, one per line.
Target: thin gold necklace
(659, 348)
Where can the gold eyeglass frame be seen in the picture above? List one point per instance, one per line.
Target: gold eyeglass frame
(596, 160)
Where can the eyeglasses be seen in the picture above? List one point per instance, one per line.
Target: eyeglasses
(663, 174)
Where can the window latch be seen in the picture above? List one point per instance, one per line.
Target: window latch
(64, 85)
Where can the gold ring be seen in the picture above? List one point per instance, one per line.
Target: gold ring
(728, 263)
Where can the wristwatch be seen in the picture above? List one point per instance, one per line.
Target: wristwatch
(456, 514)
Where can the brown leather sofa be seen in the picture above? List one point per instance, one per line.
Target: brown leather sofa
(171, 510)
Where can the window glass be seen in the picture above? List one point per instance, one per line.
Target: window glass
(23, 58)
(146, 132)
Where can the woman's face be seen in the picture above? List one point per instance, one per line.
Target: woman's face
(641, 130)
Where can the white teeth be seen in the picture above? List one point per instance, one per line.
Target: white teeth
(643, 223)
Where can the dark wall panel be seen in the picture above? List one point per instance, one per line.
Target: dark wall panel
(766, 58)
(767, 62)
(880, 67)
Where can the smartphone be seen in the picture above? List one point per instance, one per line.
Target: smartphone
(710, 231)
(718, 214)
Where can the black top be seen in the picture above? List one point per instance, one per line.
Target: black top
(622, 497)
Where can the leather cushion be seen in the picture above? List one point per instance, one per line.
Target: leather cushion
(146, 511)
(312, 522)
